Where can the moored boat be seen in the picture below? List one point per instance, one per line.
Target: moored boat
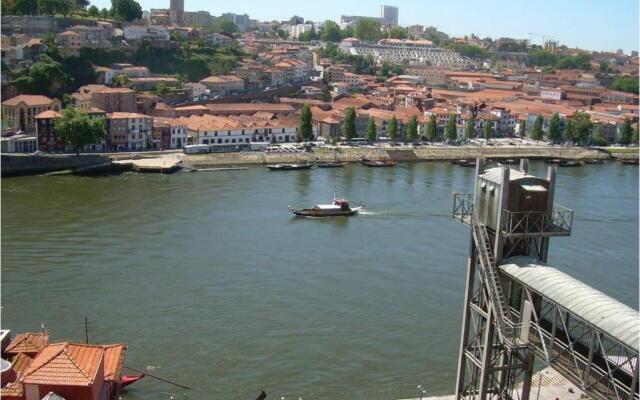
(378, 163)
(568, 163)
(594, 161)
(288, 167)
(630, 162)
(339, 208)
(330, 164)
(127, 380)
(464, 163)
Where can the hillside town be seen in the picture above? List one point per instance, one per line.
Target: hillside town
(245, 81)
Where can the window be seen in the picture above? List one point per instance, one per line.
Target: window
(282, 130)
(233, 140)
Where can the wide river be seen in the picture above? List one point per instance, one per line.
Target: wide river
(215, 286)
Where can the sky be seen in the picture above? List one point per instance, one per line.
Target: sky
(587, 24)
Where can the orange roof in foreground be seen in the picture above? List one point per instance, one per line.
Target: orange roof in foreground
(75, 364)
(20, 363)
(28, 343)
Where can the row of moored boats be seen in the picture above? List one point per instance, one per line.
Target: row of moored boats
(329, 164)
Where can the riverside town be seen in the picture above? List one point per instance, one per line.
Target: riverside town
(336, 200)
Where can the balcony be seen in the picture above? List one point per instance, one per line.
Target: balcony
(537, 223)
(521, 223)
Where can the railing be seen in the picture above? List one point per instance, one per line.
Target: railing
(507, 330)
(527, 223)
(462, 207)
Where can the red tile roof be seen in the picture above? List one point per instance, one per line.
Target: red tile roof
(65, 363)
(20, 363)
(48, 114)
(28, 343)
(28, 99)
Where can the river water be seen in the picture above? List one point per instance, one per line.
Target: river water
(215, 286)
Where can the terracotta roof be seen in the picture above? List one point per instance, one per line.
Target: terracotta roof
(28, 99)
(28, 343)
(20, 363)
(14, 390)
(114, 356)
(48, 114)
(120, 115)
(65, 363)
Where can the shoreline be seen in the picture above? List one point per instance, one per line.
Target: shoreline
(33, 164)
(421, 154)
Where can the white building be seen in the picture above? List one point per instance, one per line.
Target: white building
(296, 30)
(152, 32)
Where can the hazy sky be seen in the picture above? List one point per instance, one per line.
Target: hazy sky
(588, 24)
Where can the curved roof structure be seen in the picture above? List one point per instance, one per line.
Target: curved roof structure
(617, 320)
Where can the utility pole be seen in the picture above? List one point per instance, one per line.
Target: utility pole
(86, 330)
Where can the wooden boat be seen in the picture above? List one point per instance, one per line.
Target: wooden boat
(339, 208)
(378, 163)
(630, 162)
(464, 163)
(288, 167)
(330, 164)
(594, 161)
(567, 163)
(127, 380)
(553, 161)
(508, 161)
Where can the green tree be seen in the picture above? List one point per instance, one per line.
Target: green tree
(470, 129)
(349, 124)
(451, 131)
(597, 138)
(78, 130)
(538, 132)
(94, 11)
(412, 129)
(25, 7)
(305, 125)
(104, 13)
(368, 29)
(225, 25)
(488, 130)
(162, 88)
(126, 10)
(634, 136)
(432, 128)
(46, 77)
(554, 128)
(393, 128)
(627, 84)
(347, 32)
(582, 125)
(330, 32)
(568, 133)
(372, 132)
(308, 35)
(397, 32)
(523, 128)
(604, 67)
(626, 132)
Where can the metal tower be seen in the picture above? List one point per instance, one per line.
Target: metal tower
(510, 213)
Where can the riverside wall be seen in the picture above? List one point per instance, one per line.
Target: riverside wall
(30, 164)
(430, 153)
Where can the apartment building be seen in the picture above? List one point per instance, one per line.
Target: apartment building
(399, 51)
(129, 131)
(109, 99)
(224, 84)
(45, 131)
(151, 32)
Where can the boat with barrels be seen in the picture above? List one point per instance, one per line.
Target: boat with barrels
(339, 208)
(378, 163)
